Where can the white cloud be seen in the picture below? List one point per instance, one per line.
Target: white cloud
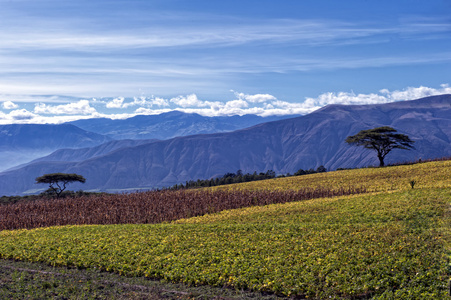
(288, 108)
(347, 98)
(137, 101)
(250, 104)
(9, 105)
(21, 115)
(257, 98)
(416, 93)
(236, 104)
(258, 104)
(159, 101)
(115, 103)
(26, 117)
(149, 111)
(188, 101)
(81, 107)
(147, 102)
(384, 96)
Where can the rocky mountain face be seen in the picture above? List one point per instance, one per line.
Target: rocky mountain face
(283, 146)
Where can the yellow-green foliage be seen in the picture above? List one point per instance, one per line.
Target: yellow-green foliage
(426, 175)
(389, 245)
(392, 243)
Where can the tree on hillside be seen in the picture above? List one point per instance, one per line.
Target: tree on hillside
(382, 140)
(57, 181)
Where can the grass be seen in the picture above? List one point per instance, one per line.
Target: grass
(393, 243)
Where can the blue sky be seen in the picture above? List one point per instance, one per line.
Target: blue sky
(65, 60)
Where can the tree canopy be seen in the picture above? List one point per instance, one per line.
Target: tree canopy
(57, 181)
(382, 140)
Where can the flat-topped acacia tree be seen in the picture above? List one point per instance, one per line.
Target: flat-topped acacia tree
(382, 140)
(57, 181)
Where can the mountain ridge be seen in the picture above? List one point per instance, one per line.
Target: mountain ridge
(169, 125)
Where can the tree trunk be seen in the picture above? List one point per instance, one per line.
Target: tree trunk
(381, 160)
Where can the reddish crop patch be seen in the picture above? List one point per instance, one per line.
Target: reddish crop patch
(147, 207)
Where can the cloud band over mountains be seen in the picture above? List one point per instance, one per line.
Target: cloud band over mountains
(57, 109)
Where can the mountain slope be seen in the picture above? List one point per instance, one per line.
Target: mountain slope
(283, 146)
(23, 143)
(81, 154)
(169, 125)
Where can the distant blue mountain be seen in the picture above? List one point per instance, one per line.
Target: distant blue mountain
(283, 146)
(169, 125)
(21, 143)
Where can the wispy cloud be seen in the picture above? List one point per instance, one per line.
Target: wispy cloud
(225, 31)
(125, 77)
(307, 32)
(86, 49)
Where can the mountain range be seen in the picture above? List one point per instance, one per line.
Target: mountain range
(169, 125)
(283, 146)
(22, 143)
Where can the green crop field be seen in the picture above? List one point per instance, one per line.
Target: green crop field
(392, 242)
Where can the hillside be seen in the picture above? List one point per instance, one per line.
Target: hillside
(389, 244)
(283, 146)
(394, 178)
(74, 155)
(170, 205)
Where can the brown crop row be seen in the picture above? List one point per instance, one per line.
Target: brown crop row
(146, 207)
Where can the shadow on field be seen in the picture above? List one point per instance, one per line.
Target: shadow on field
(24, 280)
